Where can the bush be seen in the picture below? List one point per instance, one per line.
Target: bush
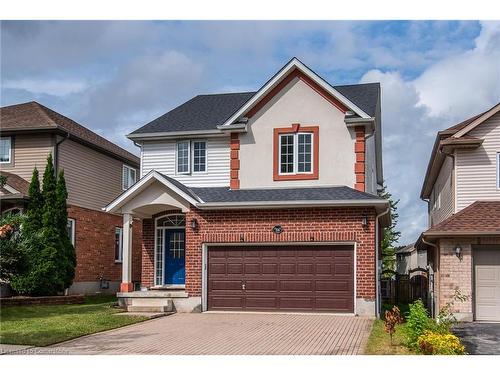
(439, 344)
(417, 322)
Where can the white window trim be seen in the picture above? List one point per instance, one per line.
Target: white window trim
(125, 169)
(498, 170)
(120, 246)
(177, 157)
(295, 154)
(10, 151)
(73, 230)
(206, 155)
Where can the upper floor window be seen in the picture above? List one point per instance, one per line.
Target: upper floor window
(129, 177)
(296, 153)
(5, 150)
(191, 157)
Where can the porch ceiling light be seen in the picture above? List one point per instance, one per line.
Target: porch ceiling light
(458, 251)
(277, 229)
(194, 224)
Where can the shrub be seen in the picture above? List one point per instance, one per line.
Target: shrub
(392, 318)
(439, 343)
(417, 322)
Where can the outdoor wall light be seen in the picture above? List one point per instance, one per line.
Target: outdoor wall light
(458, 251)
(277, 229)
(364, 221)
(194, 224)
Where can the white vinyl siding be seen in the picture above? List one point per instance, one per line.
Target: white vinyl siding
(161, 156)
(443, 195)
(477, 169)
(129, 177)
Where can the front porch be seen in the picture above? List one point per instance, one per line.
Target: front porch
(163, 274)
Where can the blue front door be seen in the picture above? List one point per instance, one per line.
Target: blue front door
(175, 256)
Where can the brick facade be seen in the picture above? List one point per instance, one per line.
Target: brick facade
(359, 165)
(95, 245)
(255, 226)
(454, 273)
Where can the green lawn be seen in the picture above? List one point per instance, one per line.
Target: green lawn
(379, 341)
(45, 325)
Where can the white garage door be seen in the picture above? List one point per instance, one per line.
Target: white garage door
(487, 280)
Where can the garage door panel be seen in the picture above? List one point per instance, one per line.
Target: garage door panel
(487, 284)
(218, 268)
(296, 285)
(302, 278)
(265, 285)
(235, 268)
(288, 303)
(261, 303)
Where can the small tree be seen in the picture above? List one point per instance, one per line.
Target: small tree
(390, 237)
(33, 222)
(12, 251)
(392, 319)
(69, 255)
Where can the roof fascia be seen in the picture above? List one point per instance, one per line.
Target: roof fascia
(292, 64)
(477, 121)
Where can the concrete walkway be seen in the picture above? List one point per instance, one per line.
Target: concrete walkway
(230, 333)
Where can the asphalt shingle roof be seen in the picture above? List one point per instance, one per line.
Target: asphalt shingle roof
(206, 112)
(479, 217)
(333, 193)
(33, 115)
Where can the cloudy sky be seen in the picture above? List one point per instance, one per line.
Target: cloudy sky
(116, 76)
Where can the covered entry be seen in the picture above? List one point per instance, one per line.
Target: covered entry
(281, 278)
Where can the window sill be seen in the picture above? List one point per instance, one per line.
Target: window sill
(118, 261)
(291, 177)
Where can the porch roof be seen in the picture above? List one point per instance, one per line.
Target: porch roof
(225, 198)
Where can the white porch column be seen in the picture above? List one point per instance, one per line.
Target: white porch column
(126, 285)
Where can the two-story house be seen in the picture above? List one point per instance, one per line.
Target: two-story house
(261, 200)
(462, 187)
(96, 172)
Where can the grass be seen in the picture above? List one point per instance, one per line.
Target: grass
(379, 341)
(49, 324)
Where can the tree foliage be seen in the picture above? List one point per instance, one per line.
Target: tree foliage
(390, 237)
(12, 247)
(51, 261)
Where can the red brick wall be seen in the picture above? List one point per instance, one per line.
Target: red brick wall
(299, 225)
(95, 245)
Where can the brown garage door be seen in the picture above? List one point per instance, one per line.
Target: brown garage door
(291, 278)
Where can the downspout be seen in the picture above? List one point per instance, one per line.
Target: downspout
(56, 153)
(433, 274)
(377, 244)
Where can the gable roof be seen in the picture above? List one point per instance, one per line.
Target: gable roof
(480, 218)
(208, 113)
(454, 136)
(33, 116)
(16, 182)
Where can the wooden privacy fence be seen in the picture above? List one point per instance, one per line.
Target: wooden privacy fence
(405, 289)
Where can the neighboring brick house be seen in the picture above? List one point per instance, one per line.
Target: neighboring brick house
(263, 200)
(96, 171)
(462, 187)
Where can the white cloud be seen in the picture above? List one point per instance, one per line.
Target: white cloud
(460, 85)
(54, 87)
(449, 91)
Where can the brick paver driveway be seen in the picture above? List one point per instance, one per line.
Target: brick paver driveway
(230, 333)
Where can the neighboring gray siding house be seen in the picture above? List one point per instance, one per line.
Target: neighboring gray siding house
(462, 188)
(96, 171)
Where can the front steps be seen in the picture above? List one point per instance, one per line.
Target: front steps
(151, 301)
